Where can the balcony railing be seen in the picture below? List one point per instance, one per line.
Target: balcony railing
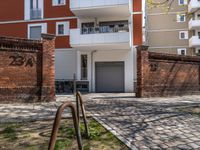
(194, 41)
(36, 14)
(104, 29)
(194, 24)
(193, 5)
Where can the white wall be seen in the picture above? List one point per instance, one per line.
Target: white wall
(116, 55)
(75, 4)
(65, 63)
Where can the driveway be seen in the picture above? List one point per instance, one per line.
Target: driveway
(154, 123)
(143, 124)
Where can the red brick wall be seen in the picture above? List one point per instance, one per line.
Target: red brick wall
(23, 73)
(166, 74)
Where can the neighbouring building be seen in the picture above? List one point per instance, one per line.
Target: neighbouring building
(176, 31)
(95, 39)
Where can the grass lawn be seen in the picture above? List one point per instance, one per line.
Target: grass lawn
(36, 135)
(195, 110)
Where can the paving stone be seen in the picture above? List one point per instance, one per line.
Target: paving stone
(151, 123)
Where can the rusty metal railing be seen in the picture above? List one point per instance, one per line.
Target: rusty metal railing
(79, 103)
(57, 124)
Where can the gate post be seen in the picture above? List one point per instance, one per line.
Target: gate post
(48, 68)
(142, 68)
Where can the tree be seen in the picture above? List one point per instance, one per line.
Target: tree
(164, 4)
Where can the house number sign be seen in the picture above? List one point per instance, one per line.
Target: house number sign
(19, 60)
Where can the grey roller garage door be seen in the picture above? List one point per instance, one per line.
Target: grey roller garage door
(109, 76)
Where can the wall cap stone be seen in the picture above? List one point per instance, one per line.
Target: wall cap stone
(142, 48)
(48, 36)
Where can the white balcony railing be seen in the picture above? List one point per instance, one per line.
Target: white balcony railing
(96, 38)
(194, 24)
(81, 4)
(194, 41)
(36, 14)
(104, 29)
(193, 5)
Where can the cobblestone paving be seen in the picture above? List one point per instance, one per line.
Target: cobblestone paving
(148, 123)
(142, 124)
(32, 112)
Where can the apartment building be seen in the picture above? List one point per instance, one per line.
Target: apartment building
(174, 31)
(95, 39)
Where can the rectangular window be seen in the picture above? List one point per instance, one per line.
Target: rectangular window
(59, 2)
(34, 8)
(62, 28)
(183, 35)
(35, 11)
(182, 2)
(197, 52)
(35, 30)
(181, 51)
(84, 67)
(181, 18)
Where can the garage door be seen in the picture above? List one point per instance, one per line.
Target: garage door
(109, 76)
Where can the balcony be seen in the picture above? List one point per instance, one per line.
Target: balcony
(193, 5)
(194, 24)
(100, 8)
(194, 41)
(35, 14)
(100, 38)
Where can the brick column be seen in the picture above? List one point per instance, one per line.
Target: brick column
(142, 68)
(48, 68)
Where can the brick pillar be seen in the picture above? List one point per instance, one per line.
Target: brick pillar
(48, 68)
(142, 68)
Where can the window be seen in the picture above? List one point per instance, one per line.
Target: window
(62, 28)
(84, 67)
(59, 2)
(198, 16)
(198, 52)
(181, 51)
(35, 30)
(183, 35)
(181, 18)
(198, 33)
(33, 9)
(182, 2)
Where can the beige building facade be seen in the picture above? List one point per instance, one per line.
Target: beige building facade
(173, 31)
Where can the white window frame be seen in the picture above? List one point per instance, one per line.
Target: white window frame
(186, 35)
(43, 25)
(180, 49)
(55, 3)
(27, 9)
(66, 28)
(185, 2)
(179, 17)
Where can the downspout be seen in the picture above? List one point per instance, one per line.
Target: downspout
(92, 66)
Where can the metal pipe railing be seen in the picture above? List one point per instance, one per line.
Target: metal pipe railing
(79, 103)
(104, 29)
(57, 124)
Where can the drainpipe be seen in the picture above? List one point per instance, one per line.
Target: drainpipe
(92, 66)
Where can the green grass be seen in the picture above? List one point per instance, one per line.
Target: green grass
(195, 110)
(36, 136)
(97, 134)
(10, 132)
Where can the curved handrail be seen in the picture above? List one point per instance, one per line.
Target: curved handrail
(79, 100)
(57, 123)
